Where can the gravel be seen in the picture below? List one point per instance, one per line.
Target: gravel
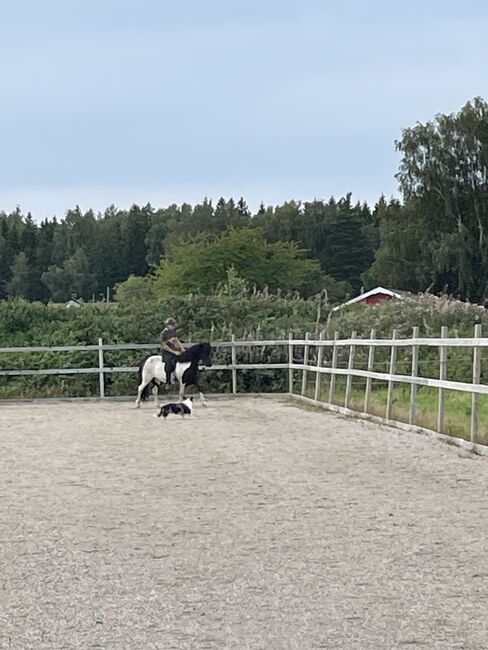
(255, 524)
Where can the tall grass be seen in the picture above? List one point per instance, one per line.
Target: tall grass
(457, 404)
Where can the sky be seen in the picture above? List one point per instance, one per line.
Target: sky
(134, 101)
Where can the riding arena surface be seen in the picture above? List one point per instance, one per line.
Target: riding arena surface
(255, 524)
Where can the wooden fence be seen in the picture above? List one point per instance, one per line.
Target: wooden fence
(302, 363)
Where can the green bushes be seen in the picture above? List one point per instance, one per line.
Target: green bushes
(212, 318)
(233, 310)
(429, 313)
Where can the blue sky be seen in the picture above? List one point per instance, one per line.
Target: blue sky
(125, 101)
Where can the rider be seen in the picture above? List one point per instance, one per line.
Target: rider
(171, 347)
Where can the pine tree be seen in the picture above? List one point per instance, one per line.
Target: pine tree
(19, 283)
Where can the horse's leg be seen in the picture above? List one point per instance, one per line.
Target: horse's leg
(202, 396)
(155, 395)
(144, 371)
(140, 388)
(181, 391)
(179, 372)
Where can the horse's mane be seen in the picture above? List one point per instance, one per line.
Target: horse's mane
(195, 352)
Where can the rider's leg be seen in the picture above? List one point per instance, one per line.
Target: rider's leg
(168, 366)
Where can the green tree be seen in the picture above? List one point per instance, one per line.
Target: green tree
(201, 265)
(109, 251)
(5, 269)
(398, 263)
(82, 280)
(135, 290)
(57, 281)
(184, 223)
(18, 234)
(43, 258)
(74, 277)
(347, 242)
(229, 215)
(20, 281)
(342, 236)
(134, 228)
(444, 180)
(157, 233)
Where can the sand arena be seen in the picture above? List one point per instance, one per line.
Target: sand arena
(256, 524)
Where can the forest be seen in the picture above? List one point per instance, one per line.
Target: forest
(433, 239)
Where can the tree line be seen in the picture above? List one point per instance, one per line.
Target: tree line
(434, 239)
(292, 247)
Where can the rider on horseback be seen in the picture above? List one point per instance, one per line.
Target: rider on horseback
(171, 347)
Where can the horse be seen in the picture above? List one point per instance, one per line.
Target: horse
(152, 372)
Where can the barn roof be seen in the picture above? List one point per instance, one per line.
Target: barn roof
(372, 292)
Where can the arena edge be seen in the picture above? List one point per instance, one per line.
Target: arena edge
(298, 355)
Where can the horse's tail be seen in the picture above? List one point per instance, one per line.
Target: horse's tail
(145, 392)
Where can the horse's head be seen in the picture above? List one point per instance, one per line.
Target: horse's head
(198, 353)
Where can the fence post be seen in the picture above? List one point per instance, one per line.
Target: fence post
(333, 366)
(318, 375)
(412, 418)
(393, 357)
(367, 393)
(350, 366)
(290, 363)
(234, 362)
(100, 366)
(441, 411)
(475, 398)
(305, 363)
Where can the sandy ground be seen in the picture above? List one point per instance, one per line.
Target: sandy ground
(257, 524)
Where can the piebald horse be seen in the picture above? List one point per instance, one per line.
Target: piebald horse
(152, 372)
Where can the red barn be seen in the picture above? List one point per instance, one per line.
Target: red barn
(372, 297)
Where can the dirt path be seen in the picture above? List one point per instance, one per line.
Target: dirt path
(257, 524)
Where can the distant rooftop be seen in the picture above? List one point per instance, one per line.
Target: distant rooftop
(400, 295)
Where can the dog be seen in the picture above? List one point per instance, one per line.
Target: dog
(177, 408)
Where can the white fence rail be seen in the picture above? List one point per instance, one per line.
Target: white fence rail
(303, 365)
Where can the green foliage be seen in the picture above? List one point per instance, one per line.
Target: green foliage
(134, 290)
(427, 312)
(213, 318)
(233, 310)
(341, 236)
(202, 265)
(233, 285)
(74, 277)
(399, 263)
(435, 240)
(19, 283)
(438, 240)
(111, 247)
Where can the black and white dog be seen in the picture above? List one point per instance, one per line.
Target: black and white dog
(177, 408)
